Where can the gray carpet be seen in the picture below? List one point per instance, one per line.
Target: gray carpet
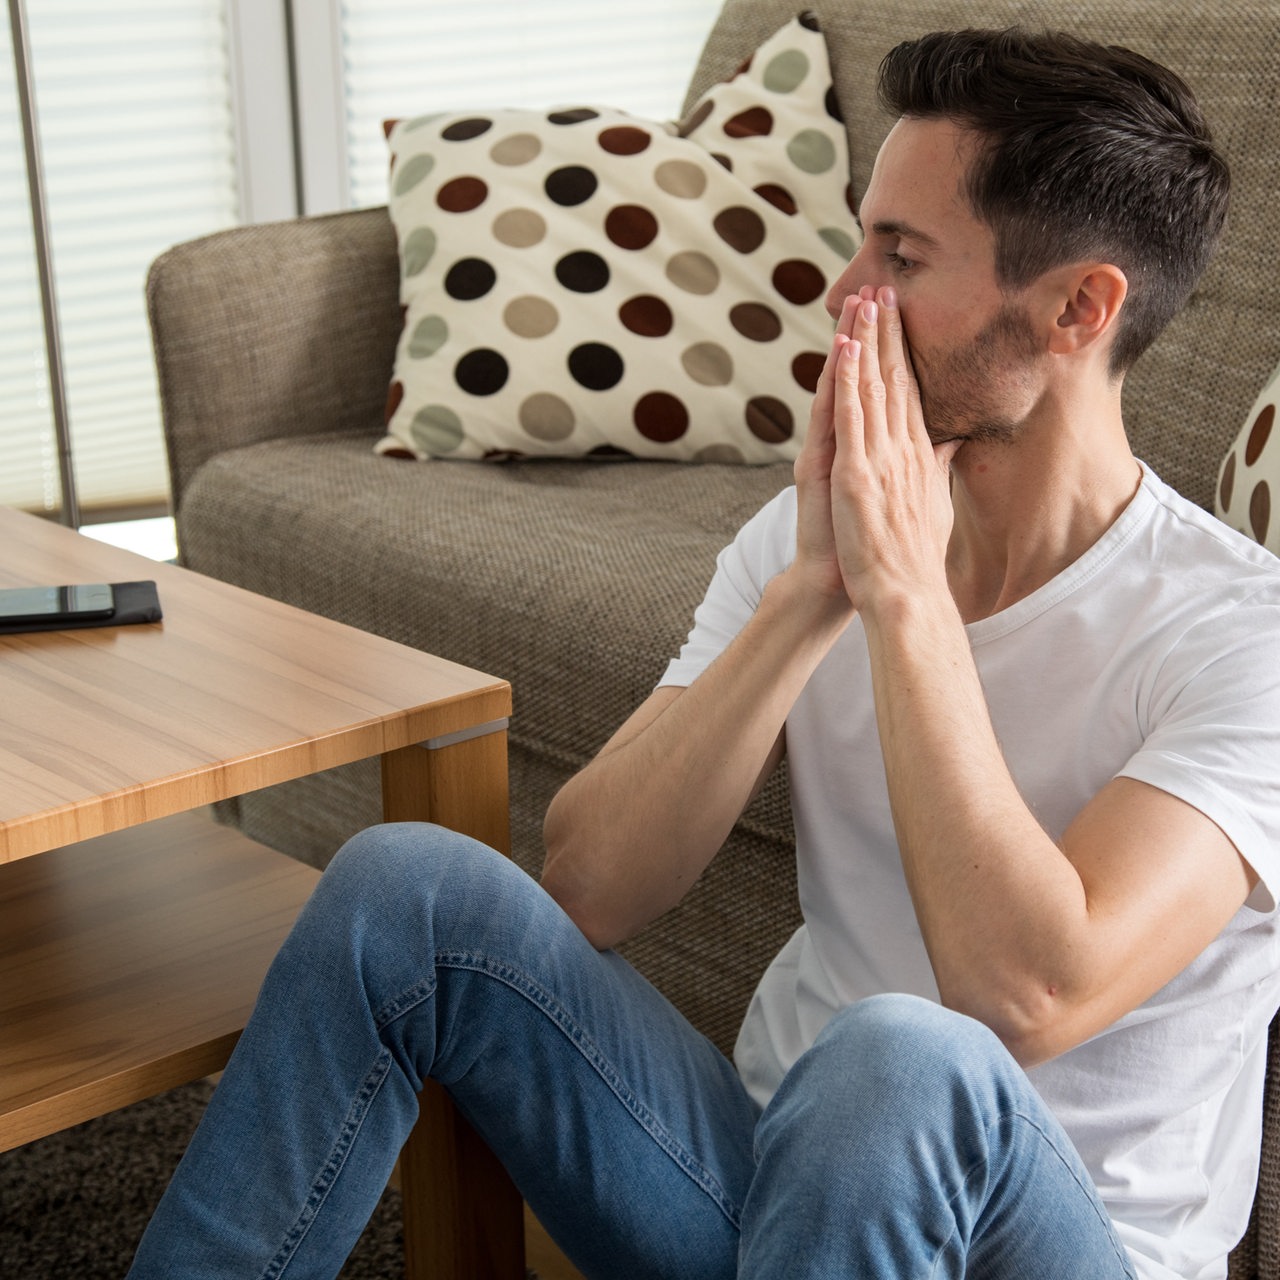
(73, 1205)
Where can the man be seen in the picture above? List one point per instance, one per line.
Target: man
(1031, 704)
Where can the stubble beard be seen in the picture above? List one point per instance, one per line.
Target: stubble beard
(962, 395)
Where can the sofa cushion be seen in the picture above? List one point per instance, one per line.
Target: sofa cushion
(581, 281)
(1249, 477)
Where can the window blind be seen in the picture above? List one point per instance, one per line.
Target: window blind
(134, 109)
(411, 57)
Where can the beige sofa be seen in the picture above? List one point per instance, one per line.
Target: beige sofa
(576, 580)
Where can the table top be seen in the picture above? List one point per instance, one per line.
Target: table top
(106, 727)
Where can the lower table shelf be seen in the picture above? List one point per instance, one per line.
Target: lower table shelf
(129, 964)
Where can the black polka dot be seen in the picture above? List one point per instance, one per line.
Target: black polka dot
(573, 184)
(577, 115)
(583, 272)
(481, 372)
(595, 366)
(469, 278)
(464, 130)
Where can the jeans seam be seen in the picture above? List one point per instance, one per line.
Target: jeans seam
(1089, 1192)
(328, 1175)
(518, 981)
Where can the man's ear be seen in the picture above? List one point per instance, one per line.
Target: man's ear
(1088, 303)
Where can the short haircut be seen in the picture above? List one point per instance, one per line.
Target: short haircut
(1085, 152)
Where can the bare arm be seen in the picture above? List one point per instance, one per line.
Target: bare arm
(1046, 943)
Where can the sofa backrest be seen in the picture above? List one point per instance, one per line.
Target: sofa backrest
(1190, 394)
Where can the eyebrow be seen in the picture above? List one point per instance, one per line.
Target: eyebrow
(891, 227)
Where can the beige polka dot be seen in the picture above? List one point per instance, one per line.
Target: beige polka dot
(530, 317)
(708, 363)
(724, 453)
(519, 228)
(681, 178)
(693, 272)
(546, 417)
(518, 148)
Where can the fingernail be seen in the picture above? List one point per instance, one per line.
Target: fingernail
(890, 296)
(869, 312)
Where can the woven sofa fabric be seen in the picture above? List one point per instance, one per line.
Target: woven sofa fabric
(1186, 398)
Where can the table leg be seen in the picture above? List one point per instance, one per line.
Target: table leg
(463, 1217)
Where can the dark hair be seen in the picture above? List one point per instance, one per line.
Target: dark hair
(1086, 151)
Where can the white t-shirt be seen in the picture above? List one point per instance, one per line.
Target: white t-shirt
(1155, 656)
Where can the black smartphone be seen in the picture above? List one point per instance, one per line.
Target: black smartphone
(57, 604)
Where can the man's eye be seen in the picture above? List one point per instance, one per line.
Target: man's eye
(898, 263)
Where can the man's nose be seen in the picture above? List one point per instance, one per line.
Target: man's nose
(859, 272)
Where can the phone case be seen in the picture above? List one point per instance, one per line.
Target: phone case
(135, 602)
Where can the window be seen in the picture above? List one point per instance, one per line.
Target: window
(162, 120)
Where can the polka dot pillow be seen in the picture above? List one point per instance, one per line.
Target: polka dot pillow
(1249, 478)
(581, 282)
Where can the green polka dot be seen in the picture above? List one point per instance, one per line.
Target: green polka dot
(841, 241)
(428, 337)
(811, 151)
(436, 429)
(419, 248)
(786, 72)
(412, 172)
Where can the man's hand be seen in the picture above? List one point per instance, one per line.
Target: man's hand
(891, 512)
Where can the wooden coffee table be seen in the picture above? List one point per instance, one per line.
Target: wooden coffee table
(129, 962)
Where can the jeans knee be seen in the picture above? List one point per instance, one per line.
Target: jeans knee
(889, 1061)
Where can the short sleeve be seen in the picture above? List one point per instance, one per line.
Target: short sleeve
(1214, 733)
(763, 547)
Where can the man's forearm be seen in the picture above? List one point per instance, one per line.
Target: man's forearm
(629, 835)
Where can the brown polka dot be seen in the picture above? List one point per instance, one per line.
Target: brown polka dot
(1228, 482)
(395, 394)
(398, 452)
(465, 130)
(741, 229)
(806, 369)
(755, 122)
(697, 117)
(624, 140)
(462, 195)
(779, 197)
(1259, 434)
(769, 420)
(1260, 510)
(631, 227)
(646, 316)
(660, 417)
(799, 282)
(756, 322)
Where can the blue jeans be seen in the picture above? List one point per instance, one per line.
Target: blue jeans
(905, 1143)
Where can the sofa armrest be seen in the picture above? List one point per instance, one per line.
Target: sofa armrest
(282, 329)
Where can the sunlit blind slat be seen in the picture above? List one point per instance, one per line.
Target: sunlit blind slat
(409, 57)
(134, 106)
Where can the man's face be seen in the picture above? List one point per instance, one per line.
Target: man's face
(973, 346)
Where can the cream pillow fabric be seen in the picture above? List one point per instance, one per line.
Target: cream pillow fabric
(580, 282)
(1249, 477)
